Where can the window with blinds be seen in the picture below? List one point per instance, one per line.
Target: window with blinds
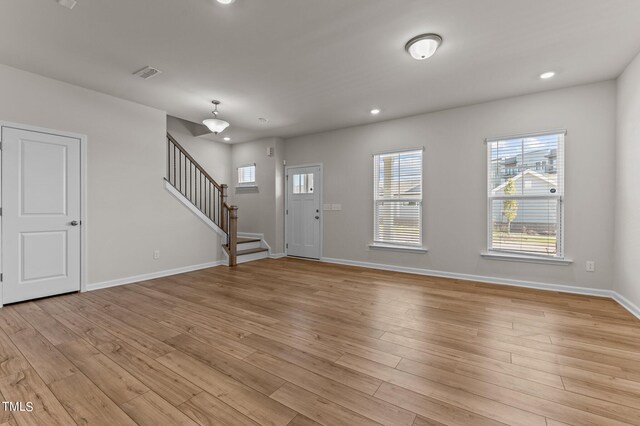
(247, 175)
(398, 198)
(525, 195)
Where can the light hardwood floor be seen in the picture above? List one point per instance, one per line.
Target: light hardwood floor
(278, 342)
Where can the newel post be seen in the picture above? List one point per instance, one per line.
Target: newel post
(233, 235)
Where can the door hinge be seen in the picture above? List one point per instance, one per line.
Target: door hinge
(1, 278)
(286, 246)
(0, 211)
(287, 211)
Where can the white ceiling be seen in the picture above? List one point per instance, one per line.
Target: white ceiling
(314, 65)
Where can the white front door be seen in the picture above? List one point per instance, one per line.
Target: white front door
(303, 212)
(40, 214)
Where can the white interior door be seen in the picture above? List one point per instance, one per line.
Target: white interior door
(40, 214)
(303, 213)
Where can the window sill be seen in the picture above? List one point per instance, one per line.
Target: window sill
(391, 247)
(247, 188)
(510, 257)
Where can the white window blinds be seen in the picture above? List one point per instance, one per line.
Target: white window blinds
(525, 195)
(247, 174)
(397, 186)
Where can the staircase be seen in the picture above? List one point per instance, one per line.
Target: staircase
(250, 248)
(195, 188)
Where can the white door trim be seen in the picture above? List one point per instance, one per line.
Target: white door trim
(83, 193)
(286, 204)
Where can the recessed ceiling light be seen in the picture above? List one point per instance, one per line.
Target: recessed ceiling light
(423, 46)
(547, 75)
(225, 1)
(226, 139)
(375, 111)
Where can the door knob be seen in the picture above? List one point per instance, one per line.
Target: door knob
(317, 217)
(74, 223)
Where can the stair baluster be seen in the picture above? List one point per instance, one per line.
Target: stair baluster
(209, 197)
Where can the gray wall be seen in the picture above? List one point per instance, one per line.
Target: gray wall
(627, 206)
(455, 213)
(260, 209)
(126, 164)
(126, 159)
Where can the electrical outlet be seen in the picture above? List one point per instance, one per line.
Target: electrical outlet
(156, 254)
(590, 266)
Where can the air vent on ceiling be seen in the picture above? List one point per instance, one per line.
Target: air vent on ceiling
(147, 72)
(69, 4)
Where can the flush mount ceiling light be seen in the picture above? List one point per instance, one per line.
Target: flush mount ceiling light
(375, 111)
(215, 124)
(423, 46)
(547, 75)
(226, 139)
(225, 1)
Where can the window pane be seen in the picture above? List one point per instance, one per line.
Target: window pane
(247, 174)
(398, 222)
(399, 175)
(303, 183)
(398, 198)
(526, 166)
(531, 170)
(525, 225)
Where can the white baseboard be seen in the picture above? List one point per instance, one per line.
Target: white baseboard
(494, 280)
(623, 301)
(626, 303)
(467, 277)
(153, 275)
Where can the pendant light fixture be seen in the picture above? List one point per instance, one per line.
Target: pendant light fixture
(215, 124)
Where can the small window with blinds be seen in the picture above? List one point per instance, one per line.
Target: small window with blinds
(398, 198)
(525, 195)
(247, 175)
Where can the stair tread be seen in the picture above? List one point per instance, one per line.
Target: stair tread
(244, 240)
(251, 251)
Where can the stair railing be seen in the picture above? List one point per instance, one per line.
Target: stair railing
(186, 175)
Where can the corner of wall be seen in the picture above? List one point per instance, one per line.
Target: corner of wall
(626, 283)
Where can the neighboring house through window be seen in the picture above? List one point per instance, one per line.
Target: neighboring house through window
(525, 195)
(398, 198)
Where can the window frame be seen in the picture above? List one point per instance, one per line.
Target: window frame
(560, 210)
(394, 245)
(252, 183)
